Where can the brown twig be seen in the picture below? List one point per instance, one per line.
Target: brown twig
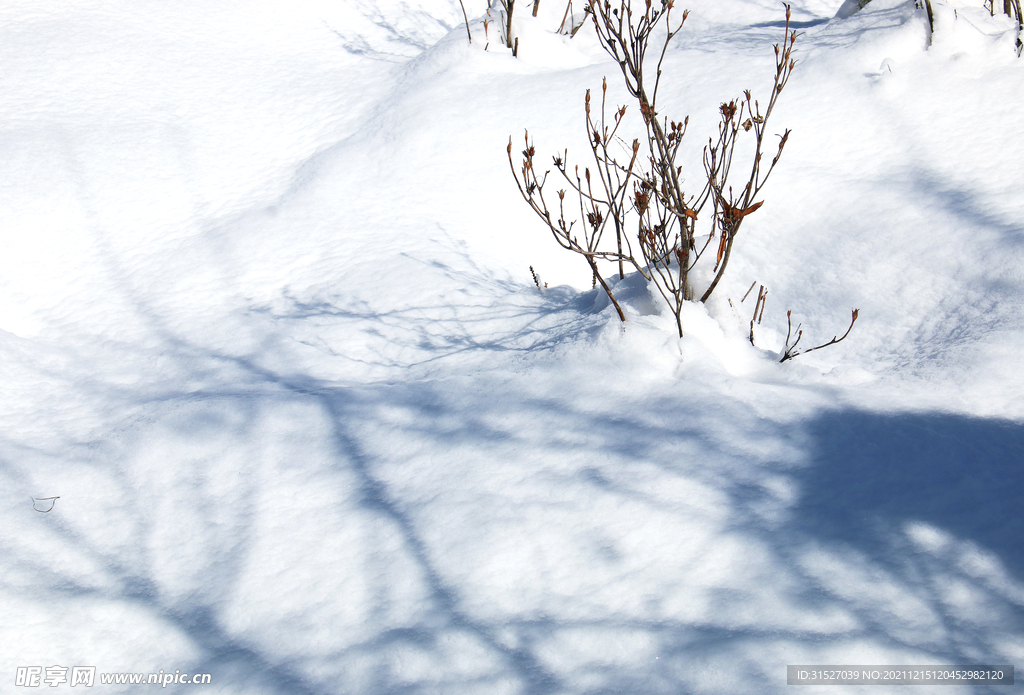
(790, 351)
(510, 6)
(762, 297)
(532, 189)
(466, 17)
(586, 11)
(631, 183)
(568, 7)
(536, 280)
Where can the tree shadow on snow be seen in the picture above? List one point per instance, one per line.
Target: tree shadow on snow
(873, 473)
(864, 477)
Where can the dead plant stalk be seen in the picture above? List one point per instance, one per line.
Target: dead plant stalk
(640, 185)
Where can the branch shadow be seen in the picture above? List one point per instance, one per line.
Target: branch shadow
(876, 472)
(862, 479)
(866, 476)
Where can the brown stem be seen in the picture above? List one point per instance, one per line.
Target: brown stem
(721, 268)
(790, 351)
(561, 27)
(580, 25)
(466, 17)
(611, 296)
(509, 8)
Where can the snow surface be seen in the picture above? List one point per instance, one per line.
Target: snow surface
(267, 329)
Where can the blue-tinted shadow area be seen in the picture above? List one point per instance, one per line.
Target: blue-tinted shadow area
(873, 472)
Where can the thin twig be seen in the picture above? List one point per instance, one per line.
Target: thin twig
(790, 350)
(510, 6)
(466, 17)
(561, 27)
(625, 186)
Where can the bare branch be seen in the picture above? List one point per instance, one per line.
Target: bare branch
(639, 185)
(790, 351)
(466, 17)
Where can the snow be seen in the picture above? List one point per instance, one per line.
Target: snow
(268, 330)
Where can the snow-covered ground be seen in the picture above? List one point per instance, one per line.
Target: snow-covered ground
(268, 330)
